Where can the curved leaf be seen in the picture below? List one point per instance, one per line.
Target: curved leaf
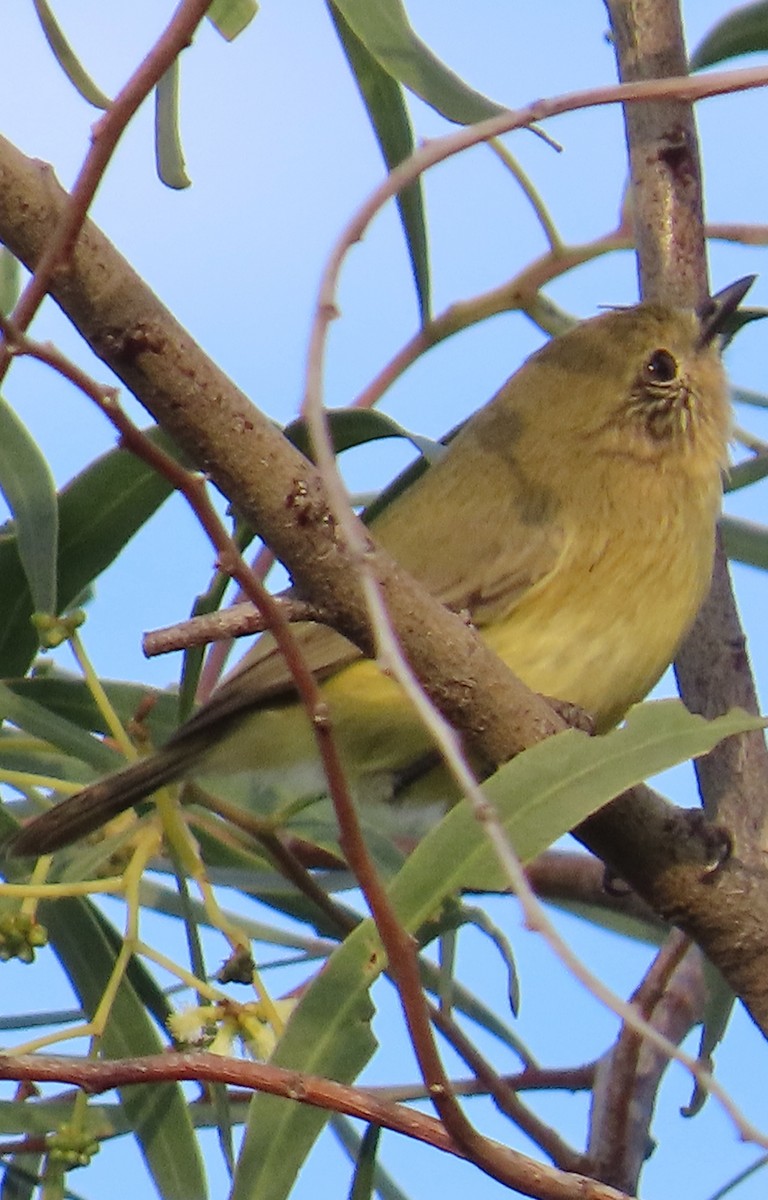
(169, 155)
(355, 426)
(27, 484)
(742, 31)
(68, 697)
(231, 17)
(99, 512)
(385, 31)
(383, 98)
(67, 59)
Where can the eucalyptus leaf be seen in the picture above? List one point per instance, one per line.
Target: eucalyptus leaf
(385, 31)
(742, 31)
(350, 427)
(27, 484)
(388, 113)
(99, 512)
(158, 1113)
(10, 281)
(231, 17)
(745, 541)
(67, 59)
(169, 155)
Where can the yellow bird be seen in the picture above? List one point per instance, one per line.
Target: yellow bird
(573, 518)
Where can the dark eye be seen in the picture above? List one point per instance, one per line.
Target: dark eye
(660, 367)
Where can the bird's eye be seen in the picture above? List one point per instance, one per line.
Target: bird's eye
(660, 367)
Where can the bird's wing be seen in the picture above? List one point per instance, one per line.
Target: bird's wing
(478, 555)
(269, 679)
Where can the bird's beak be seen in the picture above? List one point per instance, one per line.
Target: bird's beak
(714, 313)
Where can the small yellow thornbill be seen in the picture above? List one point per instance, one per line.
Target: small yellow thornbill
(572, 518)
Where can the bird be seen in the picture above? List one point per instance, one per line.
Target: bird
(572, 519)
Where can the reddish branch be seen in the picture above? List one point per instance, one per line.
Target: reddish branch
(527, 1176)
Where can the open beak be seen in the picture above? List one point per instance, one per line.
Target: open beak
(714, 313)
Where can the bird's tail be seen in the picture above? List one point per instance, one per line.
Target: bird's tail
(98, 803)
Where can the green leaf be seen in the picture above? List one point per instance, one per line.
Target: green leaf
(99, 512)
(350, 1139)
(355, 426)
(544, 792)
(479, 918)
(87, 946)
(746, 396)
(745, 473)
(159, 1113)
(231, 17)
(720, 1003)
(742, 31)
(10, 281)
(169, 155)
(385, 31)
(27, 484)
(365, 1167)
(745, 541)
(68, 697)
(67, 59)
(383, 98)
(69, 738)
(21, 1176)
(328, 1034)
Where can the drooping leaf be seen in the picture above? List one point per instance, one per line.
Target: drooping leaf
(68, 697)
(742, 31)
(385, 31)
(355, 426)
(231, 17)
(365, 1166)
(169, 155)
(30, 492)
(99, 512)
(59, 732)
(67, 59)
(388, 113)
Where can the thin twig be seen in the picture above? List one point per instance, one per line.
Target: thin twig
(533, 1178)
(238, 620)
